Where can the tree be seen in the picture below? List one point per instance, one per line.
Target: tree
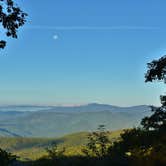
(98, 143)
(157, 121)
(6, 158)
(146, 145)
(55, 153)
(11, 19)
(156, 71)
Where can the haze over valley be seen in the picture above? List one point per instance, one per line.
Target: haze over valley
(56, 121)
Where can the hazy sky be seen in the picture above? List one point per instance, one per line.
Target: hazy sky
(82, 51)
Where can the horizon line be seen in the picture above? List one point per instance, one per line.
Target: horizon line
(70, 105)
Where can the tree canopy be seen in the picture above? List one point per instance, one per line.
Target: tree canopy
(11, 19)
(156, 70)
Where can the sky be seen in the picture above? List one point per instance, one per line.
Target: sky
(83, 51)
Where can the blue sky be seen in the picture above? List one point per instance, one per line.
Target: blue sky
(76, 52)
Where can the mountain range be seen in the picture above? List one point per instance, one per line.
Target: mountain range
(56, 121)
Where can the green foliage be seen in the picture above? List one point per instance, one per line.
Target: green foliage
(54, 152)
(98, 143)
(34, 148)
(146, 145)
(6, 158)
(157, 121)
(156, 70)
(11, 18)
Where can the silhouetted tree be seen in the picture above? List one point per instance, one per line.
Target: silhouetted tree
(6, 158)
(11, 18)
(156, 71)
(157, 121)
(146, 145)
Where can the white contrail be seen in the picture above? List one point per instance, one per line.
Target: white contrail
(68, 28)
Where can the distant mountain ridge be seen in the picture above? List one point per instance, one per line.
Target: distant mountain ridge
(51, 121)
(86, 107)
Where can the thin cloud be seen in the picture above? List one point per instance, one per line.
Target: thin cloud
(109, 28)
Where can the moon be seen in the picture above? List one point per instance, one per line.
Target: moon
(55, 37)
